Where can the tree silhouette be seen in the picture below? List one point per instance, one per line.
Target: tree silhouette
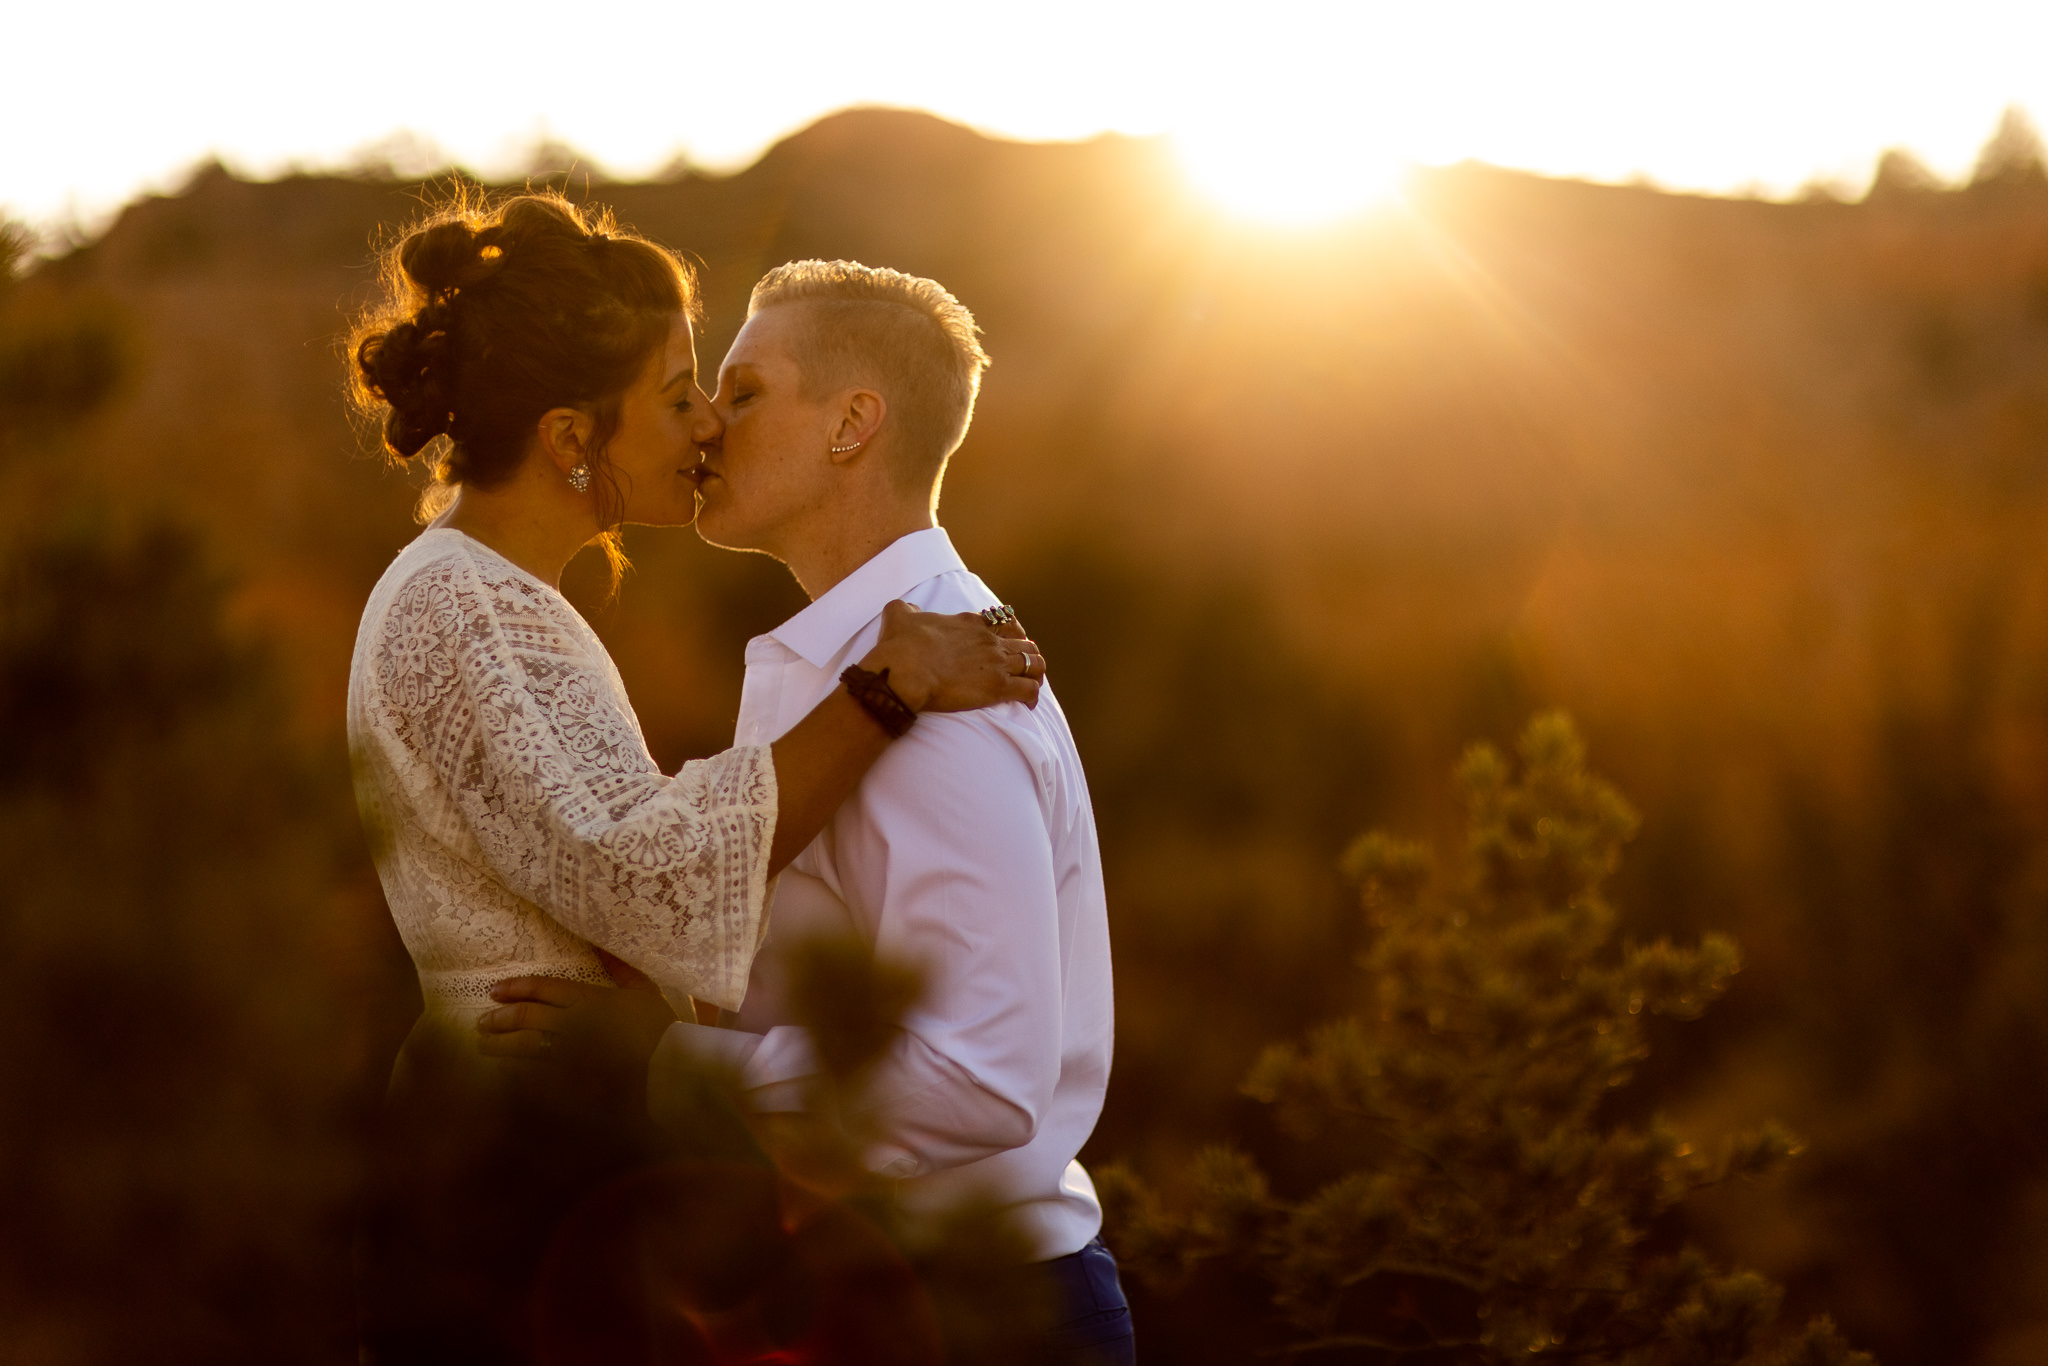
(2012, 159)
(1901, 175)
(55, 365)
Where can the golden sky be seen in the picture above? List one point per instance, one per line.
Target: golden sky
(104, 101)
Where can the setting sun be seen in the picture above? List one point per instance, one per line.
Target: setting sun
(1302, 183)
(1297, 112)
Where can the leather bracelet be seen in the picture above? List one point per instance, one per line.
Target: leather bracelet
(878, 699)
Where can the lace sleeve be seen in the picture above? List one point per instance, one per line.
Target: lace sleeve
(513, 706)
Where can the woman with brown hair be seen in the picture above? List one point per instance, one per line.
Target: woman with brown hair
(544, 361)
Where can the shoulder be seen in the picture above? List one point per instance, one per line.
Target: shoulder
(1011, 725)
(957, 590)
(445, 598)
(431, 559)
(447, 575)
(957, 763)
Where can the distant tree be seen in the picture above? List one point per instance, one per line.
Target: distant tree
(1479, 1209)
(1823, 189)
(1901, 175)
(55, 365)
(2013, 157)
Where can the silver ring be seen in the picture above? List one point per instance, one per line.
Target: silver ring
(1000, 615)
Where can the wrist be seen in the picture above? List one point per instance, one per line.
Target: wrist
(871, 689)
(907, 679)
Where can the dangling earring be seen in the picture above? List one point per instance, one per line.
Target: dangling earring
(842, 450)
(579, 477)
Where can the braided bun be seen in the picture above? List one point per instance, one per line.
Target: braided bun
(495, 314)
(410, 368)
(448, 256)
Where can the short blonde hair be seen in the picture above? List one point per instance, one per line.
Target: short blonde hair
(906, 337)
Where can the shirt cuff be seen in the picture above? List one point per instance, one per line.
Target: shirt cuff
(771, 1079)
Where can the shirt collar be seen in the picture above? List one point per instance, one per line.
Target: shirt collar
(822, 630)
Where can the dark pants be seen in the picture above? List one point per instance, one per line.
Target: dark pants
(1093, 1324)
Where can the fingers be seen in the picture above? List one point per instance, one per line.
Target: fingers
(1025, 659)
(978, 659)
(554, 991)
(1017, 688)
(525, 1015)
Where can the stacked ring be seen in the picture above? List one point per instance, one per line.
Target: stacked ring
(1002, 614)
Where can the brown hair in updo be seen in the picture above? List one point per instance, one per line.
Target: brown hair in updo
(495, 313)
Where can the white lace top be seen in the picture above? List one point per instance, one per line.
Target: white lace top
(514, 811)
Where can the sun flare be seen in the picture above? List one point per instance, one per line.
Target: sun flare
(1297, 182)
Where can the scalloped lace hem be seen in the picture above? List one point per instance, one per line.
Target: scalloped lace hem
(467, 989)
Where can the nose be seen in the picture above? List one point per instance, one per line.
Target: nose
(709, 428)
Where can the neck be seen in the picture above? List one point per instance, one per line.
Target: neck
(821, 561)
(539, 534)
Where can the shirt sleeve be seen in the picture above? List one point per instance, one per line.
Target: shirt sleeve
(948, 841)
(545, 765)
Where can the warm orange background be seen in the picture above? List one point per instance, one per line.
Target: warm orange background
(1757, 490)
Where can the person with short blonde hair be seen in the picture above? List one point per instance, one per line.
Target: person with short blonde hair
(968, 850)
(867, 326)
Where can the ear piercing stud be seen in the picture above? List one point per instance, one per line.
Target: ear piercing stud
(579, 477)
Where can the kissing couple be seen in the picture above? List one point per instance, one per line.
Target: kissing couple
(901, 773)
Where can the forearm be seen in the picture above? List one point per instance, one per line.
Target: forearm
(817, 765)
(926, 1110)
(945, 662)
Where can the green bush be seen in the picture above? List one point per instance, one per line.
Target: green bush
(1478, 1205)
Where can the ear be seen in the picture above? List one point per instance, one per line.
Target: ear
(564, 435)
(860, 416)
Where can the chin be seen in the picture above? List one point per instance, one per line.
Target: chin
(722, 531)
(683, 516)
(711, 533)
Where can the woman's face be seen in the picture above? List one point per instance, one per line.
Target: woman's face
(664, 420)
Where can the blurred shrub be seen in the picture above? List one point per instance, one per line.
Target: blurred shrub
(1476, 1206)
(55, 366)
(723, 1249)
(192, 965)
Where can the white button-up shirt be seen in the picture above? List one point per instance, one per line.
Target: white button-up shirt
(968, 849)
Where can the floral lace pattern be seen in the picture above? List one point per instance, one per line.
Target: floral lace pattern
(516, 815)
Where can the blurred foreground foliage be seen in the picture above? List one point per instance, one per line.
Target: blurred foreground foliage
(1478, 1205)
(549, 1220)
